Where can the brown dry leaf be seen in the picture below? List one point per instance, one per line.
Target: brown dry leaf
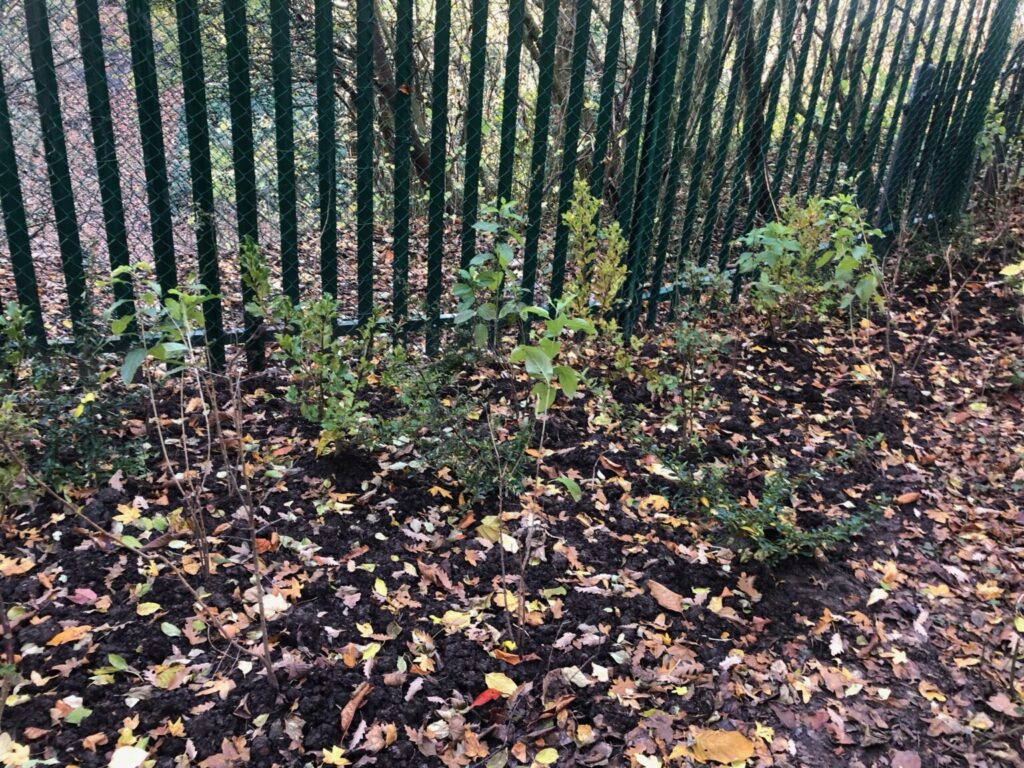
(349, 712)
(666, 598)
(70, 635)
(712, 746)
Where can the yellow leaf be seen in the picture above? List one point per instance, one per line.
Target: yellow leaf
(147, 609)
(877, 595)
(930, 691)
(721, 746)
(547, 756)
(335, 756)
(380, 587)
(437, 490)
(70, 635)
(500, 682)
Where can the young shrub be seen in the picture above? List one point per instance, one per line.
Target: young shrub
(817, 253)
(328, 370)
(597, 255)
(768, 529)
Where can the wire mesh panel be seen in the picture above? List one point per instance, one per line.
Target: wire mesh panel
(357, 143)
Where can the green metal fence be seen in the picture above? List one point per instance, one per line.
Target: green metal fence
(356, 141)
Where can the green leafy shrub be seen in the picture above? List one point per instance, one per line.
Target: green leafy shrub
(768, 529)
(70, 410)
(597, 256)
(821, 251)
(328, 370)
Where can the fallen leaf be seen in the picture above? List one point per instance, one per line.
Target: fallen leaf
(721, 746)
(666, 598)
(501, 682)
(349, 712)
(70, 635)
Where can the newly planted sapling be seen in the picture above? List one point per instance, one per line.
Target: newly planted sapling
(820, 251)
(328, 370)
(597, 256)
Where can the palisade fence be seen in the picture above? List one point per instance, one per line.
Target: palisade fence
(356, 142)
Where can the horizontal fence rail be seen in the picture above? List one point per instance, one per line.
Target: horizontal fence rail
(356, 143)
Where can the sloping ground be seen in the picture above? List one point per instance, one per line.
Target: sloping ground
(647, 640)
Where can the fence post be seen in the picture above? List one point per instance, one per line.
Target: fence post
(907, 145)
(474, 129)
(603, 129)
(48, 100)
(438, 170)
(403, 162)
(510, 99)
(364, 158)
(140, 32)
(570, 142)
(958, 181)
(243, 154)
(327, 160)
(197, 127)
(107, 170)
(539, 151)
(15, 224)
(284, 138)
(662, 90)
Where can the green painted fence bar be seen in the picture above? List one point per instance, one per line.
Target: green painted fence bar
(668, 203)
(403, 162)
(510, 99)
(954, 192)
(754, 65)
(663, 77)
(637, 100)
(12, 204)
(570, 142)
(817, 79)
(151, 132)
(716, 59)
(866, 177)
(59, 174)
(539, 151)
(857, 138)
(474, 128)
(438, 169)
(610, 65)
(833, 94)
(197, 126)
(731, 101)
(883, 160)
(843, 139)
(108, 173)
(364, 158)
(327, 158)
(718, 167)
(284, 141)
(243, 154)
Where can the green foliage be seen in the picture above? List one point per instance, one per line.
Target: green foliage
(169, 324)
(768, 529)
(328, 370)
(687, 382)
(446, 419)
(820, 251)
(488, 298)
(993, 133)
(597, 256)
(15, 433)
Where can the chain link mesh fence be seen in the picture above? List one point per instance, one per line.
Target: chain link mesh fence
(356, 142)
